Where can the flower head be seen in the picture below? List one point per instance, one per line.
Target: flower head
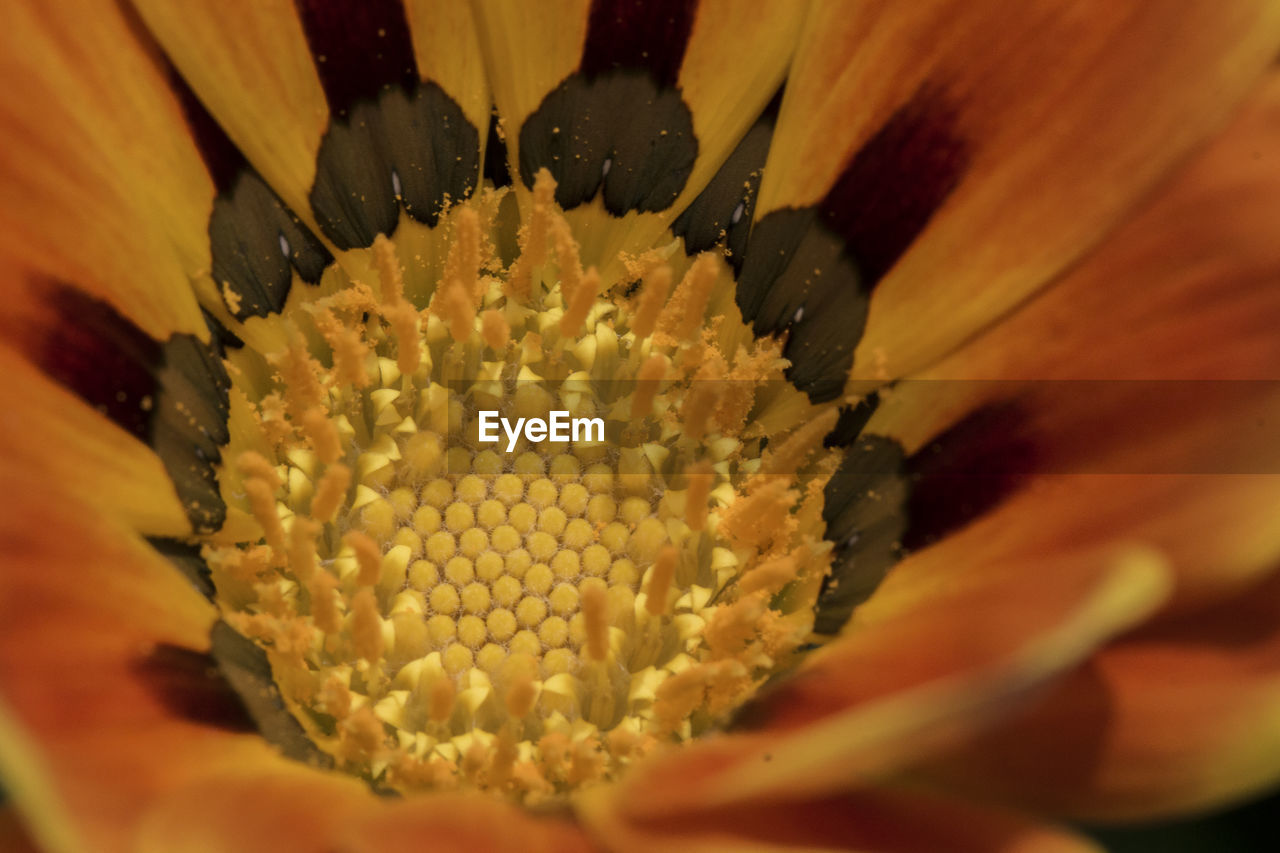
(612, 425)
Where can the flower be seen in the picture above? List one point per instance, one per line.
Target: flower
(956, 225)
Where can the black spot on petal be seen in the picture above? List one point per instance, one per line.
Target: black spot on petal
(409, 147)
(722, 212)
(799, 279)
(852, 420)
(865, 514)
(616, 133)
(257, 243)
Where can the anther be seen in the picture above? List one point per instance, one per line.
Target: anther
(495, 330)
(389, 272)
(323, 435)
(533, 238)
(580, 303)
(366, 626)
(440, 705)
(664, 569)
(647, 380)
(331, 492)
(682, 316)
(368, 557)
(653, 295)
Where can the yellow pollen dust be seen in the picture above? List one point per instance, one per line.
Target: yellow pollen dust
(445, 611)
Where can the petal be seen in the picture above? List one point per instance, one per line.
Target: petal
(892, 690)
(295, 808)
(92, 727)
(1154, 396)
(1175, 718)
(448, 51)
(632, 109)
(99, 181)
(54, 438)
(960, 155)
(251, 68)
(13, 836)
(886, 821)
(461, 822)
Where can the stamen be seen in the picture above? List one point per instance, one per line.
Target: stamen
(653, 295)
(659, 587)
(682, 317)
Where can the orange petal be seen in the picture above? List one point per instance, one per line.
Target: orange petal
(463, 822)
(1148, 373)
(100, 184)
(1184, 290)
(890, 691)
(984, 147)
(93, 724)
(886, 821)
(1175, 718)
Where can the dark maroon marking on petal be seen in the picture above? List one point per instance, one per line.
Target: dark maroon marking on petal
(969, 470)
(651, 35)
(361, 47)
(896, 182)
(864, 508)
(96, 353)
(174, 395)
(223, 159)
(189, 686)
(810, 272)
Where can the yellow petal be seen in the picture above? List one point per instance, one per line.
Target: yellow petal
(1183, 716)
(963, 154)
(100, 184)
(249, 64)
(448, 52)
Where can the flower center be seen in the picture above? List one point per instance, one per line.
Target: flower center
(448, 600)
